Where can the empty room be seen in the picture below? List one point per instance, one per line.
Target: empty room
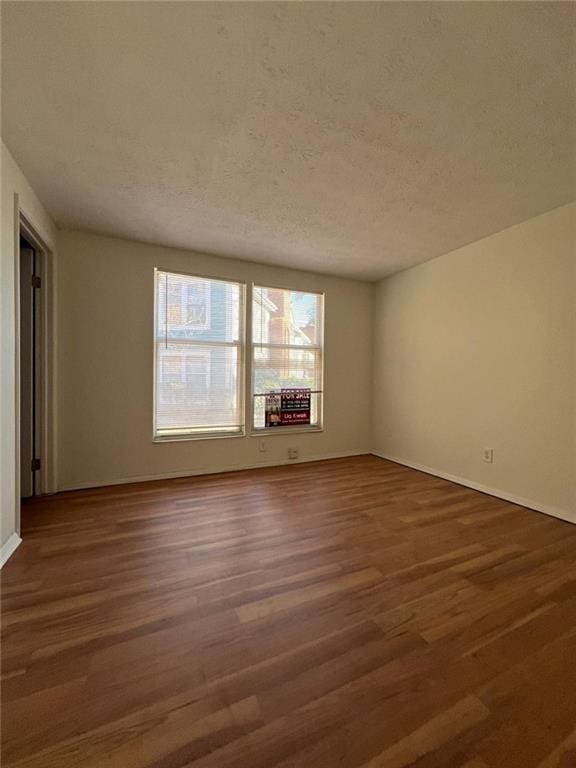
(288, 384)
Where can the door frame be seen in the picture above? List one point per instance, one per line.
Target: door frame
(46, 392)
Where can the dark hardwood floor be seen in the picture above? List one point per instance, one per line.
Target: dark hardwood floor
(341, 614)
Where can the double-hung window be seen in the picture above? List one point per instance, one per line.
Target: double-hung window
(199, 357)
(287, 365)
(204, 382)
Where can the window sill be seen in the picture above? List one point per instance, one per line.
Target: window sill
(283, 431)
(189, 437)
(263, 431)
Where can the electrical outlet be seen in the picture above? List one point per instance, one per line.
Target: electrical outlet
(292, 453)
(488, 455)
(262, 446)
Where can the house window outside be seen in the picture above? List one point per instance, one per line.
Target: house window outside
(185, 378)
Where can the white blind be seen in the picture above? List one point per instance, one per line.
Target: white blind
(287, 347)
(198, 356)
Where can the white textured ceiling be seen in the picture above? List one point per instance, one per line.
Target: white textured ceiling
(350, 138)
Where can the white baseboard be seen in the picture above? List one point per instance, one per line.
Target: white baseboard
(8, 548)
(204, 471)
(562, 514)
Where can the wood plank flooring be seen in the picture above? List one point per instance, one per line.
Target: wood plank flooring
(343, 614)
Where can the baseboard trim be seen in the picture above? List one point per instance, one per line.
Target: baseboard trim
(203, 471)
(8, 548)
(562, 514)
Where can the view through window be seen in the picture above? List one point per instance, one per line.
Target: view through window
(198, 356)
(287, 334)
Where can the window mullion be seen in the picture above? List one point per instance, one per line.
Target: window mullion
(248, 357)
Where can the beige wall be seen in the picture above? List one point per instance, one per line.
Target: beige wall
(17, 195)
(477, 349)
(105, 294)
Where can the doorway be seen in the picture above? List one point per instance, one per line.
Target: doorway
(30, 367)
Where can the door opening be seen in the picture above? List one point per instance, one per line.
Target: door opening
(30, 368)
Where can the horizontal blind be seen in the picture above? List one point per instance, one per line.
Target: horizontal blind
(287, 347)
(198, 356)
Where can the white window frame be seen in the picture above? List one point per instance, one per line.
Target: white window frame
(201, 433)
(246, 349)
(318, 347)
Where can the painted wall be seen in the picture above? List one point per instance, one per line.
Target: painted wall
(105, 364)
(16, 195)
(477, 349)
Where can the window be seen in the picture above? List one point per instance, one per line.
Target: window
(200, 363)
(198, 357)
(287, 339)
(194, 303)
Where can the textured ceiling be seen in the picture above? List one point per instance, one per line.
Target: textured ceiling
(350, 138)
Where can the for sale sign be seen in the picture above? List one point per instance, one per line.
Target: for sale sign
(294, 406)
(288, 407)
